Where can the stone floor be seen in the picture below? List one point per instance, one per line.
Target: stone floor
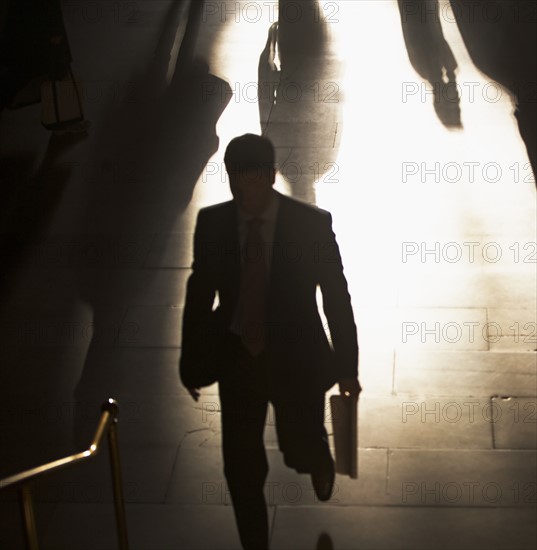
(437, 226)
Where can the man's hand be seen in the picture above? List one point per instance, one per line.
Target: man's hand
(350, 387)
(194, 392)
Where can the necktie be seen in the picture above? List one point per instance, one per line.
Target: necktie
(253, 290)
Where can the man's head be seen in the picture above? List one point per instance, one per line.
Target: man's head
(249, 161)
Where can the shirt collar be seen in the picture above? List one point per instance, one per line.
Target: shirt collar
(268, 215)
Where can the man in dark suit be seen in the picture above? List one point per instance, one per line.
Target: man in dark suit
(264, 255)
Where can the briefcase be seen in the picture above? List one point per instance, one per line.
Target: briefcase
(202, 355)
(344, 412)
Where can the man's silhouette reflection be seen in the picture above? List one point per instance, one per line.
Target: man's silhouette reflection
(431, 56)
(299, 76)
(265, 255)
(501, 39)
(154, 149)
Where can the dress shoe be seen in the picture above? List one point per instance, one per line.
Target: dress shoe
(322, 479)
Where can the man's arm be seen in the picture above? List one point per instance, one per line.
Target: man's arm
(338, 310)
(200, 294)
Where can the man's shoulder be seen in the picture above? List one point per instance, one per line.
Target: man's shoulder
(288, 205)
(301, 208)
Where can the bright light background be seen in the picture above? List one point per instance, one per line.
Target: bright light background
(377, 202)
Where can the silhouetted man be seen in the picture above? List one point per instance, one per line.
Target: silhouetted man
(265, 255)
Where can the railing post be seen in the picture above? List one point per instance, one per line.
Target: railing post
(108, 422)
(113, 447)
(28, 517)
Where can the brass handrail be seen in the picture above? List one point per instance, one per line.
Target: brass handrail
(107, 423)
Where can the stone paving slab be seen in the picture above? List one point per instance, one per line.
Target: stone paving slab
(416, 421)
(289, 133)
(150, 527)
(152, 326)
(198, 479)
(376, 371)
(447, 289)
(515, 422)
(517, 344)
(173, 250)
(434, 328)
(157, 287)
(462, 478)
(465, 373)
(402, 421)
(397, 528)
(145, 475)
(146, 372)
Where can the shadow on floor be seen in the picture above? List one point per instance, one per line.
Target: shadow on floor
(431, 57)
(501, 38)
(158, 146)
(299, 82)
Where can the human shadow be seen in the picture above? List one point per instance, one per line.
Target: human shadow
(299, 83)
(31, 194)
(431, 57)
(29, 199)
(152, 150)
(501, 39)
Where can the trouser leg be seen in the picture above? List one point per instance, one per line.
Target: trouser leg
(302, 437)
(244, 403)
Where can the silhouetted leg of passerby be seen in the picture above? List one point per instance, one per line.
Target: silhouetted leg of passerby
(520, 47)
(526, 116)
(299, 79)
(300, 30)
(505, 52)
(268, 76)
(186, 55)
(431, 56)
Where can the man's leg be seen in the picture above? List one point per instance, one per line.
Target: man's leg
(243, 398)
(302, 437)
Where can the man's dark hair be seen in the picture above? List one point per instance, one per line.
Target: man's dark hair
(249, 152)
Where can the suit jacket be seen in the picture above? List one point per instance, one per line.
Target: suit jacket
(305, 255)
